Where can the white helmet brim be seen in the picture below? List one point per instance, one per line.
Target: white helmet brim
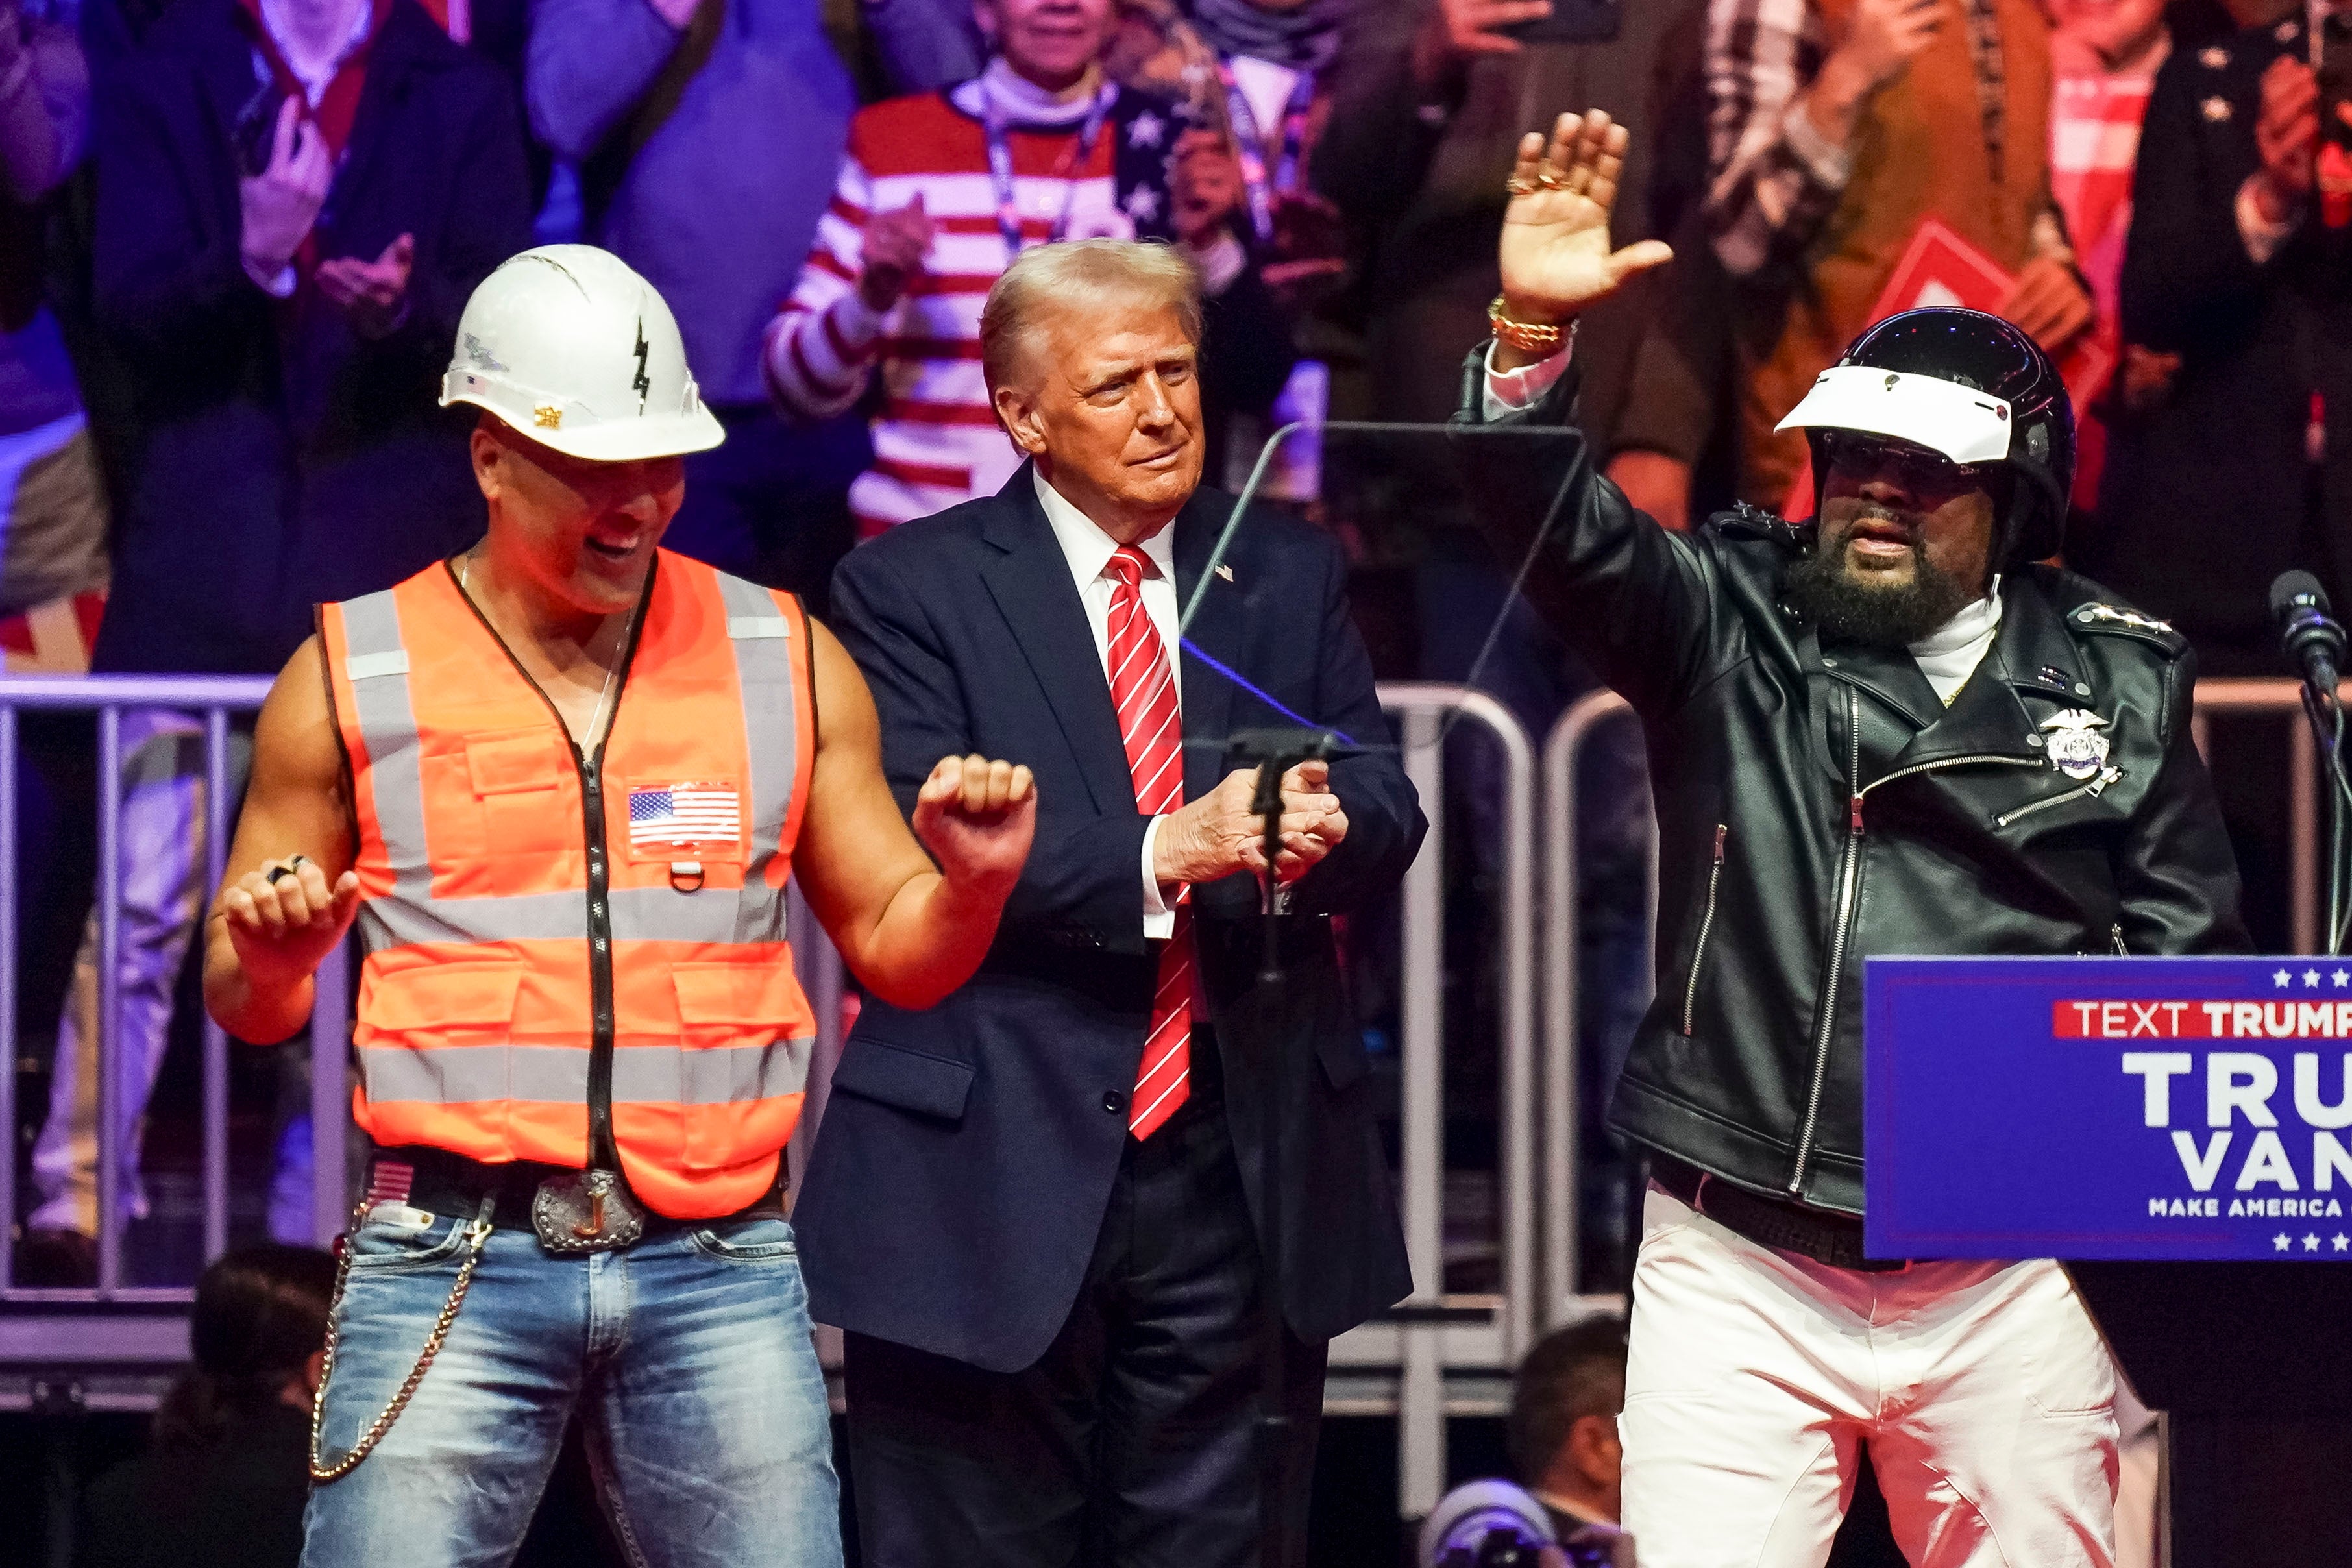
(1964, 425)
(571, 427)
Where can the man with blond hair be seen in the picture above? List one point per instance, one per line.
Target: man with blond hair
(1037, 1207)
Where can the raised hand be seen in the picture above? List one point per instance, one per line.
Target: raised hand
(284, 920)
(894, 248)
(278, 207)
(375, 294)
(2049, 304)
(1557, 261)
(1204, 185)
(2286, 135)
(1882, 37)
(977, 818)
(1456, 32)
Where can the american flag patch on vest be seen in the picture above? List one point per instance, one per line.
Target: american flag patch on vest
(665, 814)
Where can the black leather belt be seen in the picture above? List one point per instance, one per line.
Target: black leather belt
(1826, 1237)
(444, 1183)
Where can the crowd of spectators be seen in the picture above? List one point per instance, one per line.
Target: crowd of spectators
(235, 236)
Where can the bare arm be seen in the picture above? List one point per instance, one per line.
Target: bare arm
(265, 938)
(910, 931)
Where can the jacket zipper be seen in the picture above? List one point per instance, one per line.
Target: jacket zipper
(1849, 876)
(1848, 863)
(1706, 924)
(2116, 939)
(2030, 807)
(604, 1151)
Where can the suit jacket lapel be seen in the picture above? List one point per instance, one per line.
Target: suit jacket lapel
(1031, 587)
(1218, 633)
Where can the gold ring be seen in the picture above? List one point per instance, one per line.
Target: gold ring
(1551, 180)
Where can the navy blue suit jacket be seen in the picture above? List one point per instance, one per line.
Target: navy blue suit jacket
(969, 1150)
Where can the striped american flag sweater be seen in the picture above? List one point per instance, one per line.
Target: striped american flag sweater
(936, 439)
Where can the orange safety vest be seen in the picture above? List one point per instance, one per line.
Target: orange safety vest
(524, 906)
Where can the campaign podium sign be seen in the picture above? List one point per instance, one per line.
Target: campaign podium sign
(2179, 1109)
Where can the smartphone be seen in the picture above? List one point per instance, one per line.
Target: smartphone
(1573, 22)
(2336, 96)
(253, 132)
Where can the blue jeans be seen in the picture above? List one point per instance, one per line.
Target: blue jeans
(706, 1421)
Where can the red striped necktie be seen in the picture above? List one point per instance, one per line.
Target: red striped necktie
(1143, 690)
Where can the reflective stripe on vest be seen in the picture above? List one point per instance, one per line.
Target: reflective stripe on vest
(475, 1027)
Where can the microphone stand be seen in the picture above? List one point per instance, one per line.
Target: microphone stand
(1276, 751)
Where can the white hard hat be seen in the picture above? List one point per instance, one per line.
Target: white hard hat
(571, 347)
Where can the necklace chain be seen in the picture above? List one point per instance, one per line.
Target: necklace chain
(603, 696)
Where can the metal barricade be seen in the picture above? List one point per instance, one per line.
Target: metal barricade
(215, 698)
(1436, 1354)
(2228, 695)
(1562, 1098)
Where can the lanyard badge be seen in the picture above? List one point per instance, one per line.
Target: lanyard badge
(1073, 163)
(1250, 146)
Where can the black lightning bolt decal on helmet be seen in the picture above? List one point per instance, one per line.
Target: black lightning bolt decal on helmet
(644, 387)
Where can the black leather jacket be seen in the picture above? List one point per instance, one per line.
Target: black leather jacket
(1819, 804)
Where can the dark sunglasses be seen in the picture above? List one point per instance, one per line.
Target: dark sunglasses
(1862, 453)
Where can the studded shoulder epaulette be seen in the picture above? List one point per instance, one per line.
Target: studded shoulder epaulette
(2096, 616)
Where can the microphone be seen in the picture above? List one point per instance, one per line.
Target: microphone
(2313, 639)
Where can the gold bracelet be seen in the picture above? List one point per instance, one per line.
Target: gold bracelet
(1528, 337)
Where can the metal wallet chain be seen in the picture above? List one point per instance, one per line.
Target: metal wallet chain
(478, 1233)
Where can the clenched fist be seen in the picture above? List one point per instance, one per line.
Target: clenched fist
(977, 817)
(284, 920)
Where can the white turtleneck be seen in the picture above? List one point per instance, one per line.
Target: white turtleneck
(1023, 101)
(1950, 654)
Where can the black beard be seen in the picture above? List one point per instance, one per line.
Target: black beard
(1822, 589)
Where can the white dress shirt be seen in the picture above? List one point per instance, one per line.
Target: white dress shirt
(1088, 550)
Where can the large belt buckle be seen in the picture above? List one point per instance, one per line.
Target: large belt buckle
(585, 1211)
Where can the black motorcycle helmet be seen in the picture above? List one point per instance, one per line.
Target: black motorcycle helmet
(1971, 353)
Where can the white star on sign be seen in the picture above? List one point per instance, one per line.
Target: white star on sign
(2341, 977)
(2279, 1242)
(2342, 1241)
(2311, 1244)
(1142, 203)
(2310, 977)
(2280, 977)
(1145, 129)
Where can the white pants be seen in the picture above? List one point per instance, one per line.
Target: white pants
(1985, 1394)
